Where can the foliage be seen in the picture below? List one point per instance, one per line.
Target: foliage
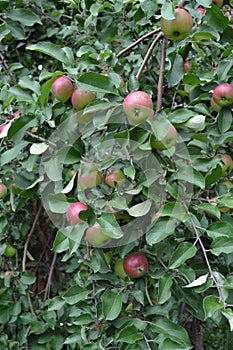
(175, 205)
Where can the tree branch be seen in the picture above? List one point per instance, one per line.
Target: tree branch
(48, 284)
(149, 52)
(161, 75)
(121, 53)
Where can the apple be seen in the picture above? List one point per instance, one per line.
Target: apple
(89, 176)
(119, 269)
(214, 105)
(96, 237)
(10, 251)
(201, 10)
(81, 98)
(73, 212)
(167, 141)
(223, 95)
(3, 190)
(8, 272)
(179, 27)
(113, 177)
(138, 106)
(62, 88)
(135, 265)
(218, 3)
(186, 66)
(228, 163)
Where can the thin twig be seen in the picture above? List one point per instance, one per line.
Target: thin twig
(161, 75)
(30, 302)
(29, 237)
(147, 342)
(149, 52)
(138, 42)
(204, 253)
(48, 284)
(41, 139)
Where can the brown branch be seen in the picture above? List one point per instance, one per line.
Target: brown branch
(161, 75)
(121, 53)
(30, 302)
(48, 284)
(149, 52)
(41, 139)
(29, 237)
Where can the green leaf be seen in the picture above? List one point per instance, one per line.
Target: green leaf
(228, 313)
(175, 210)
(56, 303)
(58, 203)
(51, 50)
(149, 7)
(30, 84)
(171, 330)
(76, 294)
(169, 344)
(97, 83)
(129, 335)
(61, 242)
(220, 229)
(176, 71)
(222, 245)
(27, 278)
(212, 304)
(227, 201)
(224, 120)
(183, 252)
(111, 304)
(140, 209)
(181, 116)
(216, 19)
(83, 319)
(3, 31)
(210, 209)
(20, 94)
(164, 289)
(160, 229)
(24, 16)
(110, 225)
(12, 153)
(167, 11)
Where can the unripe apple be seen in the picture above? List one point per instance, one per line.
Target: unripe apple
(167, 141)
(113, 177)
(81, 98)
(179, 27)
(73, 212)
(119, 269)
(228, 163)
(138, 106)
(89, 176)
(96, 237)
(223, 95)
(10, 251)
(62, 88)
(3, 190)
(218, 3)
(135, 265)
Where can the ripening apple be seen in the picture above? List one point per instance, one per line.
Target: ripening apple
(62, 88)
(135, 265)
(167, 141)
(228, 163)
(218, 3)
(179, 27)
(3, 190)
(96, 237)
(119, 268)
(89, 176)
(138, 106)
(81, 98)
(223, 95)
(114, 176)
(73, 212)
(10, 251)
(214, 105)
(186, 66)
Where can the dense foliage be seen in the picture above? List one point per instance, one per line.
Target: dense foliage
(174, 207)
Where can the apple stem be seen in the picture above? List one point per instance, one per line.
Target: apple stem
(148, 54)
(161, 75)
(122, 52)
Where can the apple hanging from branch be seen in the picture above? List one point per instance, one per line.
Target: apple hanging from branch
(135, 265)
(73, 212)
(81, 98)
(62, 88)
(168, 141)
(179, 27)
(138, 106)
(223, 95)
(96, 237)
(89, 176)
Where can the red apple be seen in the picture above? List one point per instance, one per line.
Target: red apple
(218, 3)
(138, 106)
(3, 190)
(201, 10)
(186, 66)
(89, 176)
(73, 212)
(179, 27)
(96, 237)
(223, 95)
(114, 176)
(81, 98)
(168, 140)
(62, 88)
(135, 265)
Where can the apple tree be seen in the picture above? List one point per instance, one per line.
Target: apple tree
(116, 189)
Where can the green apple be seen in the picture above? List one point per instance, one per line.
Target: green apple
(179, 27)
(89, 176)
(119, 269)
(10, 251)
(96, 237)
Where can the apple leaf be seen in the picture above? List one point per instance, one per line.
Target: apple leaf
(164, 289)
(212, 304)
(140, 209)
(198, 282)
(167, 11)
(129, 335)
(51, 50)
(24, 16)
(160, 229)
(95, 82)
(111, 304)
(183, 252)
(75, 294)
